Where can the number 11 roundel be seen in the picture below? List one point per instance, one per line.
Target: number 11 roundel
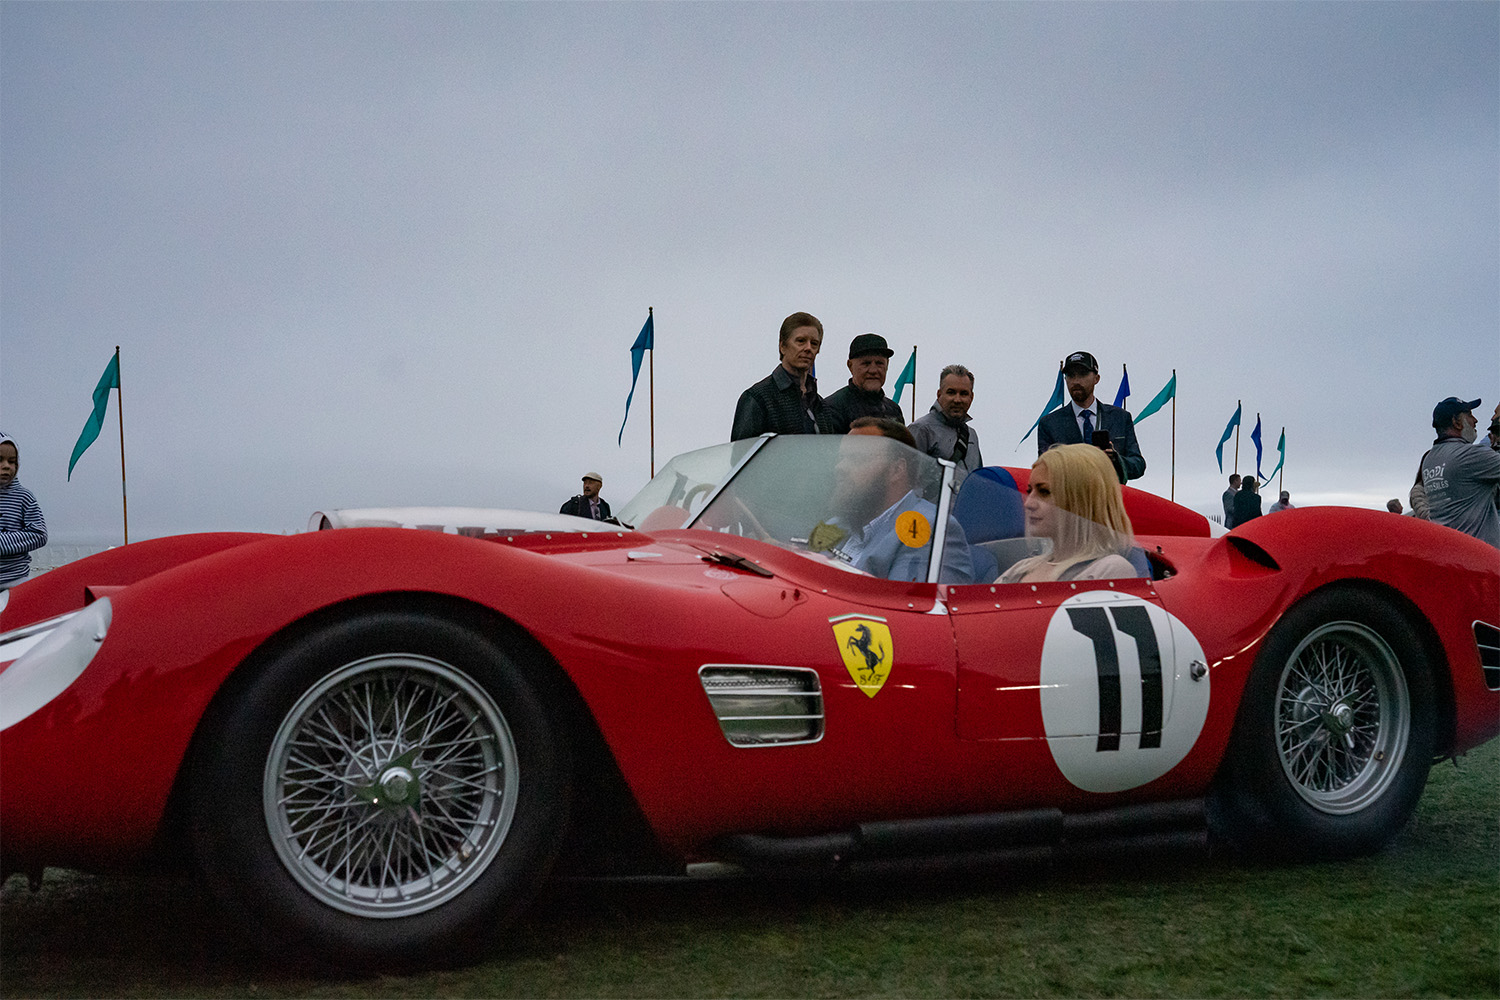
(1119, 703)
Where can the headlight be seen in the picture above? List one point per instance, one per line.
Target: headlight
(40, 661)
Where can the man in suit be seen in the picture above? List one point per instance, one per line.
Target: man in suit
(588, 504)
(1077, 422)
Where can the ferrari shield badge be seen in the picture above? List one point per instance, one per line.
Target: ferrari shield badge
(865, 644)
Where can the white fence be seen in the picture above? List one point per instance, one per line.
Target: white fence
(55, 554)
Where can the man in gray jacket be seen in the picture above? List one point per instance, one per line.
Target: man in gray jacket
(1461, 481)
(944, 431)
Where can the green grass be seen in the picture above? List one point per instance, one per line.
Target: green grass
(1420, 919)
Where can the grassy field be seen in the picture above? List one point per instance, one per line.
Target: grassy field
(1420, 919)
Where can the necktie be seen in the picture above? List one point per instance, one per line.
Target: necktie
(960, 445)
(1088, 425)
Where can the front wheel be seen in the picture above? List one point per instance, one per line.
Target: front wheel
(1335, 733)
(389, 792)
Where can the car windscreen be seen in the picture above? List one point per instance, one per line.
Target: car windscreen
(867, 502)
(682, 487)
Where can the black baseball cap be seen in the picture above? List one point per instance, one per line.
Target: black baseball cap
(1444, 412)
(1080, 360)
(867, 344)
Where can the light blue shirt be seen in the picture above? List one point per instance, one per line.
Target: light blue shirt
(877, 550)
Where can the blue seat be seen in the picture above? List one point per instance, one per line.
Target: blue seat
(991, 508)
(990, 505)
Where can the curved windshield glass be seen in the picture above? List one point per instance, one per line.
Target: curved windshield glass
(868, 503)
(682, 487)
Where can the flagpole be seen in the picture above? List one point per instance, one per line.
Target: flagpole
(1239, 405)
(120, 400)
(651, 373)
(1173, 493)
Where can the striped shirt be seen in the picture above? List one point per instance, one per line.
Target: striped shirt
(22, 528)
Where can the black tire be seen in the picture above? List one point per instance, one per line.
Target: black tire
(1335, 733)
(389, 792)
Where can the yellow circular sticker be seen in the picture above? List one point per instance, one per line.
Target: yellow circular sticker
(912, 528)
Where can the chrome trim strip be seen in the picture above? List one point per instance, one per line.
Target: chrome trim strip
(940, 529)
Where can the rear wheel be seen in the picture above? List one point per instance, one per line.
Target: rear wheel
(389, 792)
(1335, 736)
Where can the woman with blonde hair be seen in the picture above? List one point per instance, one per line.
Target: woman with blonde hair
(1074, 499)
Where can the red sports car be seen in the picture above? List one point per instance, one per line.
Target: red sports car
(373, 744)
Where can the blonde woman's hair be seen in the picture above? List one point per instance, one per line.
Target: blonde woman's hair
(1085, 486)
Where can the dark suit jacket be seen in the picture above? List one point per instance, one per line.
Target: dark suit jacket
(1246, 507)
(1061, 427)
(579, 507)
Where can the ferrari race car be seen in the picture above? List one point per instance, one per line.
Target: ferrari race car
(374, 743)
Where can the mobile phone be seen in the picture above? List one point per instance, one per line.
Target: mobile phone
(1101, 439)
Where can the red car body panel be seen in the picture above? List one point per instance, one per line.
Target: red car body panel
(630, 618)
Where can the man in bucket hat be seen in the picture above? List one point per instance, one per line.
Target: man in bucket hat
(1461, 481)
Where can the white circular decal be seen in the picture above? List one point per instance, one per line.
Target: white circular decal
(1119, 702)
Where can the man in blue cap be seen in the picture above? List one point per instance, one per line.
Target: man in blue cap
(1462, 482)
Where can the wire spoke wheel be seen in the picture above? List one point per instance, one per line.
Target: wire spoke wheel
(1342, 717)
(390, 785)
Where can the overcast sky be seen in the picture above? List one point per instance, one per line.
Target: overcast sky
(368, 254)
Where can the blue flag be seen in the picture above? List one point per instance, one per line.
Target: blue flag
(1124, 392)
(1255, 436)
(1052, 404)
(109, 380)
(1160, 399)
(908, 377)
(1234, 422)
(1281, 447)
(645, 341)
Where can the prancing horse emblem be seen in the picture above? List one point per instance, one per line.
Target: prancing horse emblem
(861, 641)
(865, 645)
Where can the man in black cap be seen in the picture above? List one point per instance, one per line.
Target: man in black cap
(864, 396)
(1078, 422)
(1461, 481)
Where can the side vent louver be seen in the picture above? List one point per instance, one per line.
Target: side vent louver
(765, 706)
(1487, 638)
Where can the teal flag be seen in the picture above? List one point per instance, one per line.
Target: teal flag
(1169, 391)
(1234, 422)
(109, 380)
(644, 341)
(1052, 404)
(908, 377)
(1281, 447)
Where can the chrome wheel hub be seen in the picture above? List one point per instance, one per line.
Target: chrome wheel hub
(1343, 717)
(390, 786)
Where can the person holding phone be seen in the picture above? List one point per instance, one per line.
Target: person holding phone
(1086, 420)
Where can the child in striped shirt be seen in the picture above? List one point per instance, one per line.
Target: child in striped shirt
(22, 527)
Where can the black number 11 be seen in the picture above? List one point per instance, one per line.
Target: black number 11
(1135, 622)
